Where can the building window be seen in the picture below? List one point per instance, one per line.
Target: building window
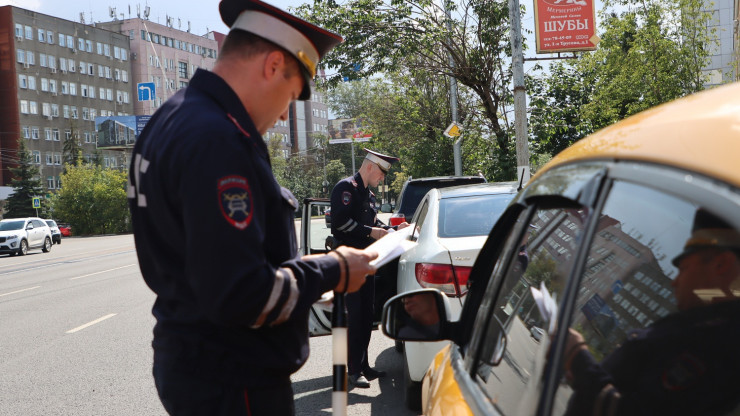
(72, 88)
(55, 110)
(26, 132)
(52, 61)
(30, 58)
(49, 159)
(182, 69)
(74, 112)
(71, 65)
(124, 55)
(23, 81)
(55, 134)
(35, 133)
(42, 36)
(99, 48)
(42, 60)
(20, 56)
(88, 46)
(57, 158)
(65, 111)
(46, 110)
(29, 33)
(106, 49)
(47, 134)
(83, 90)
(62, 40)
(36, 157)
(70, 42)
(81, 44)
(33, 107)
(18, 30)
(31, 82)
(24, 106)
(50, 182)
(65, 87)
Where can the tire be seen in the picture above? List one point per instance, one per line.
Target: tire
(23, 249)
(412, 389)
(47, 245)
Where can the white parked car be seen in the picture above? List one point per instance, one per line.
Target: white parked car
(451, 226)
(18, 235)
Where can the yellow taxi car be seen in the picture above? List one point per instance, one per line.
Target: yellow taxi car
(611, 284)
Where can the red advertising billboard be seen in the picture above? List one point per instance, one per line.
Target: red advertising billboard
(565, 25)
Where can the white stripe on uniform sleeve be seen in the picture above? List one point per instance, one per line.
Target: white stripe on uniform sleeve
(277, 289)
(292, 298)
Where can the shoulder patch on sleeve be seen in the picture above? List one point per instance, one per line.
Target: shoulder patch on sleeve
(346, 197)
(235, 200)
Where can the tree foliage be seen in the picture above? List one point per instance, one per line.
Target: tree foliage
(649, 54)
(26, 185)
(93, 200)
(417, 40)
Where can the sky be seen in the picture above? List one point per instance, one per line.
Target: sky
(203, 15)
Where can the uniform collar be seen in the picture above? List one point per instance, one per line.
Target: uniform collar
(358, 179)
(221, 93)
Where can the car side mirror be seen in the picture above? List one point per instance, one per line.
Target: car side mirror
(29, 227)
(419, 315)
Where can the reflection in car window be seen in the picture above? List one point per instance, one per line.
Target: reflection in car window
(11, 225)
(544, 259)
(470, 216)
(626, 284)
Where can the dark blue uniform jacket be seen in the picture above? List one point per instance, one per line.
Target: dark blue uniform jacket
(684, 364)
(354, 212)
(216, 241)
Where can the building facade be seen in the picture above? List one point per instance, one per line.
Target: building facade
(162, 55)
(723, 65)
(56, 77)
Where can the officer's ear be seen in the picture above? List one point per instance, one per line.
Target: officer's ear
(273, 64)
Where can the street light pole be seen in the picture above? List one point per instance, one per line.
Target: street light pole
(520, 96)
(456, 147)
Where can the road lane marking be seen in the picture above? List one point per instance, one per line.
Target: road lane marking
(104, 271)
(81, 327)
(19, 291)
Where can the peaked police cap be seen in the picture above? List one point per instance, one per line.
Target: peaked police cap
(307, 42)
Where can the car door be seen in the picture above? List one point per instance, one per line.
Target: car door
(503, 364)
(32, 233)
(316, 238)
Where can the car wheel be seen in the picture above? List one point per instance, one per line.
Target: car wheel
(412, 388)
(399, 346)
(47, 245)
(23, 249)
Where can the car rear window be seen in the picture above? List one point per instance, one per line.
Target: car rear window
(415, 191)
(470, 216)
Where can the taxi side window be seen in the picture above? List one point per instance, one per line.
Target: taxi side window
(535, 279)
(626, 282)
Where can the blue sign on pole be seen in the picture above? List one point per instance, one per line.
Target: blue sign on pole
(146, 91)
(36, 202)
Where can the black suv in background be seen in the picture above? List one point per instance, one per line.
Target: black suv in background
(414, 190)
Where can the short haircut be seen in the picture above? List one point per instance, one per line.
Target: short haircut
(245, 45)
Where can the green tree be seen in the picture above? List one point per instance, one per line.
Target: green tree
(412, 37)
(72, 149)
(93, 200)
(652, 53)
(26, 185)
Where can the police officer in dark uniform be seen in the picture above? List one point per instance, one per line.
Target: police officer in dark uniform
(355, 223)
(215, 232)
(684, 364)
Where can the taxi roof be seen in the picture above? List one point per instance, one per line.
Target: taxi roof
(700, 133)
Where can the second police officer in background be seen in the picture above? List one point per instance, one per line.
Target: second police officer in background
(355, 223)
(215, 233)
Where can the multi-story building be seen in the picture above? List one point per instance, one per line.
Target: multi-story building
(56, 77)
(723, 65)
(163, 55)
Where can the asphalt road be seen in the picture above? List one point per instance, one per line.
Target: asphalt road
(75, 334)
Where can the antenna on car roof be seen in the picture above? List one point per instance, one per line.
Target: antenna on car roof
(520, 181)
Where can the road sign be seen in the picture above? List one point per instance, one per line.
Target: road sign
(453, 130)
(37, 202)
(357, 137)
(146, 91)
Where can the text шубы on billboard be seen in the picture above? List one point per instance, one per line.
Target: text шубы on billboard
(565, 25)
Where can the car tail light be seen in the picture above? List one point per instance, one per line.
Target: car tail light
(452, 280)
(397, 218)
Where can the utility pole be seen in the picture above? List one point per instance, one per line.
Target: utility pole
(456, 147)
(520, 97)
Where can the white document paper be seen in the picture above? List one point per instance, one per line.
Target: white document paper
(546, 304)
(392, 245)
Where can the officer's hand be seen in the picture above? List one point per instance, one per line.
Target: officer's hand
(358, 262)
(403, 225)
(378, 233)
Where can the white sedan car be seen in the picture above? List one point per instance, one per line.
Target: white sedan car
(451, 226)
